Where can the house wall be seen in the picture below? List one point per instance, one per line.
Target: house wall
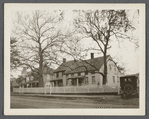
(64, 80)
(113, 74)
(60, 75)
(98, 79)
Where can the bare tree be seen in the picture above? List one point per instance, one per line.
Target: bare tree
(39, 39)
(14, 54)
(102, 27)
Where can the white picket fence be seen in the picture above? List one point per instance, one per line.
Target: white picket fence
(75, 89)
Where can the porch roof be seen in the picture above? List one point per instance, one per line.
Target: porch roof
(75, 77)
(81, 65)
(56, 79)
(34, 81)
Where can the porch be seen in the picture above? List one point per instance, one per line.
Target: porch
(77, 81)
(57, 82)
(30, 84)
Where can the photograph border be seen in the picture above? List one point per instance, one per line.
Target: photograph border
(8, 111)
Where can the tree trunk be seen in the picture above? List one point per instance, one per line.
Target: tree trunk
(40, 81)
(40, 67)
(40, 74)
(105, 68)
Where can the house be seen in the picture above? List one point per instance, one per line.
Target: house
(30, 79)
(13, 83)
(86, 73)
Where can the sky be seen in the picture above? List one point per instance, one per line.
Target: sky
(125, 53)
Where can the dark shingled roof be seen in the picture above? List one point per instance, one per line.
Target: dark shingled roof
(81, 66)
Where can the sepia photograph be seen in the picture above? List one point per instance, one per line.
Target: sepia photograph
(74, 59)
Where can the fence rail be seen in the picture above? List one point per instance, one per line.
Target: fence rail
(45, 90)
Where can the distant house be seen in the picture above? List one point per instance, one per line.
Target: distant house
(13, 83)
(31, 78)
(86, 73)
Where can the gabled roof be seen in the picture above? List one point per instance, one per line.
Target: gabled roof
(81, 66)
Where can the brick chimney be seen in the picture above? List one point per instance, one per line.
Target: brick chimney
(92, 55)
(64, 60)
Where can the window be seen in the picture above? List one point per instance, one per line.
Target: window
(113, 79)
(79, 74)
(72, 74)
(86, 73)
(129, 79)
(125, 80)
(93, 80)
(57, 75)
(86, 80)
